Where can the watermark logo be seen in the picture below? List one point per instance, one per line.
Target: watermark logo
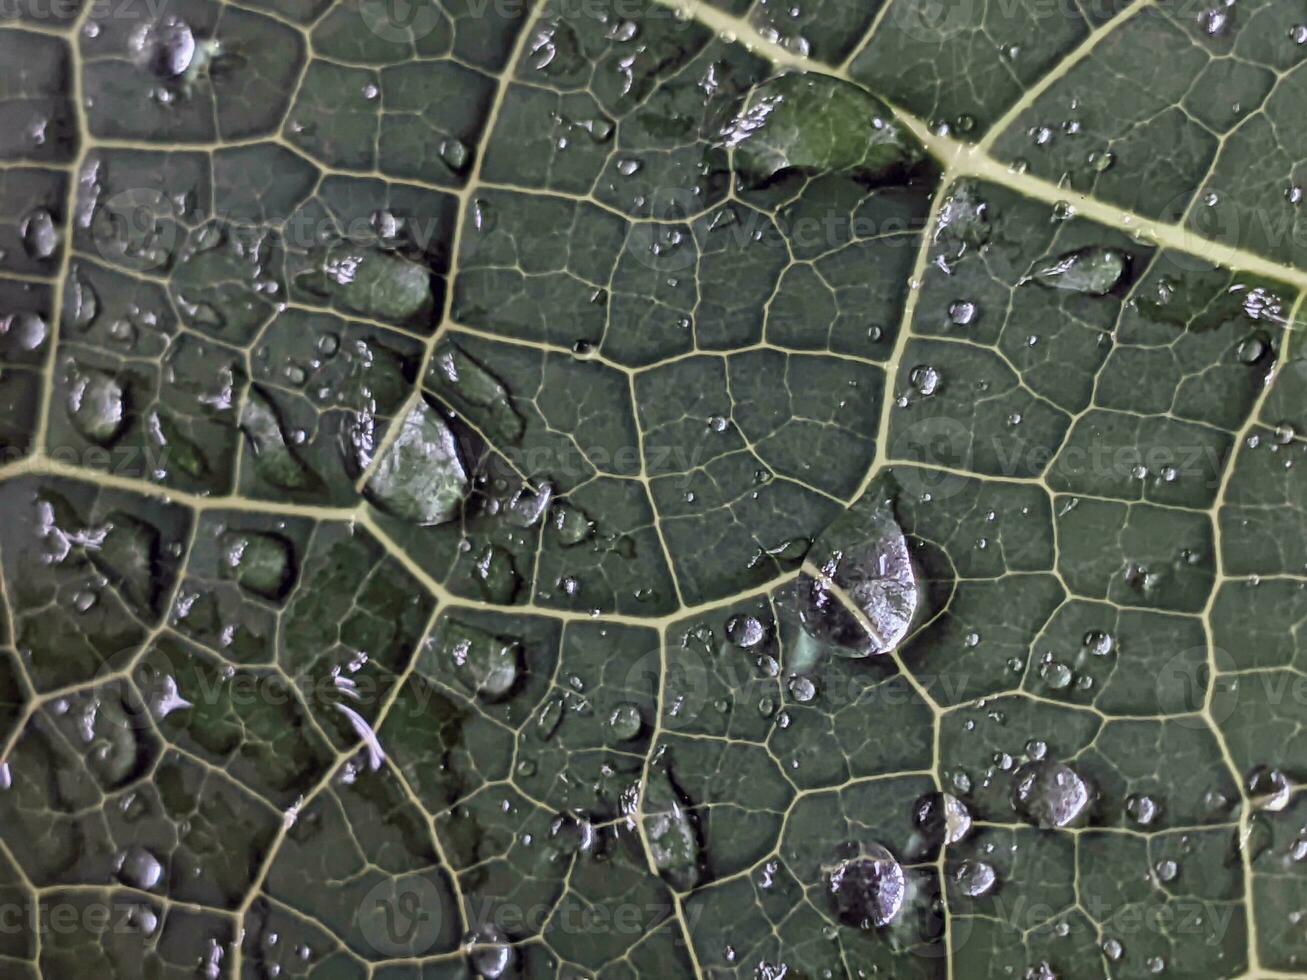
(931, 20)
(932, 442)
(135, 228)
(664, 243)
(684, 674)
(399, 21)
(401, 918)
(1185, 681)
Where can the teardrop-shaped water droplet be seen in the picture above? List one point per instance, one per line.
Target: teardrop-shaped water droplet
(1093, 271)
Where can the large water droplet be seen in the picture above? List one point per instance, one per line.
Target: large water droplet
(274, 460)
(488, 954)
(942, 817)
(1093, 270)
(671, 831)
(863, 599)
(22, 332)
(571, 524)
(1049, 794)
(486, 665)
(139, 868)
(866, 886)
(816, 124)
(372, 282)
(166, 47)
(925, 379)
(97, 404)
(975, 878)
(745, 631)
(1142, 809)
(421, 478)
(260, 563)
(962, 313)
(476, 392)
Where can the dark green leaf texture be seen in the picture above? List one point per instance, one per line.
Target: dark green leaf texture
(594, 489)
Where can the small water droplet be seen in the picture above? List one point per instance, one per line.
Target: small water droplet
(925, 379)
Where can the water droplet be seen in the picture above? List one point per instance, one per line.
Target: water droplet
(476, 392)
(40, 235)
(455, 154)
(784, 126)
(166, 48)
(23, 332)
(1142, 809)
(1056, 675)
(671, 831)
(942, 817)
(571, 524)
(528, 506)
(139, 868)
(488, 954)
(962, 313)
(866, 886)
(1217, 21)
(1102, 161)
(1269, 788)
(1093, 271)
(421, 478)
(745, 631)
(925, 379)
(625, 722)
(96, 404)
(370, 281)
(260, 563)
(1049, 794)
(975, 878)
(802, 689)
(864, 598)
(1098, 643)
(274, 460)
(486, 665)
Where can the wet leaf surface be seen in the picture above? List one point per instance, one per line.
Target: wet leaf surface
(601, 490)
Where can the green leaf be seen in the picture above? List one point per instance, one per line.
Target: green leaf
(630, 490)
